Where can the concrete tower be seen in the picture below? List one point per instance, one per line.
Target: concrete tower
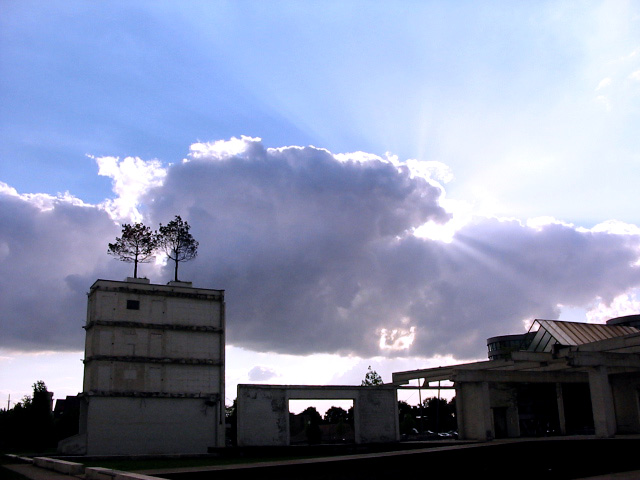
(154, 369)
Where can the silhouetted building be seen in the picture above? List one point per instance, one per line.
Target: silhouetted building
(501, 347)
(563, 378)
(627, 320)
(154, 370)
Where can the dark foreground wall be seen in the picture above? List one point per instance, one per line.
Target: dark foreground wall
(536, 459)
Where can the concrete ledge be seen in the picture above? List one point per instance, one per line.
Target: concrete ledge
(74, 445)
(18, 458)
(99, 473)
(137, 280)
(61, 466)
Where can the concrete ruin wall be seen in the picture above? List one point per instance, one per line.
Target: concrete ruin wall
(154, 369)
(263, 412)
(473, 411)
(136, 426)
(625, 388)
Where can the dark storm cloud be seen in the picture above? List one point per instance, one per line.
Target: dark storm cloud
(316, 254)
(51, 251)
(497, 273)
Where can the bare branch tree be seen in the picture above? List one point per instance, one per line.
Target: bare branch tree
(137, 245)
(176, 241)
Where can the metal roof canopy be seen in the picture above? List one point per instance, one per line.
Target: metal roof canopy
(552, 332)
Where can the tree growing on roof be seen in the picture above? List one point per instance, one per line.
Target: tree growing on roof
(176, 241)
(136, 245)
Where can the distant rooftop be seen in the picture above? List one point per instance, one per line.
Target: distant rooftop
(544, 334)
(628, 320)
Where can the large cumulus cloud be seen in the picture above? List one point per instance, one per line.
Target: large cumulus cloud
(317, 255)
(292, 234)
(51, 250)
(316, 252)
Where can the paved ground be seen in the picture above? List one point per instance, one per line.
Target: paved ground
(544, 459)
(539, 459)
(36, 473)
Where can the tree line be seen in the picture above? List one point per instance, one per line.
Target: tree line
(139, 244)
(434, 418)
(30, 425)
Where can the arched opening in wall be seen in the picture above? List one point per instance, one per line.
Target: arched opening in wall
(313, 422)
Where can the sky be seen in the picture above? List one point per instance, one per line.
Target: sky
(381, 184)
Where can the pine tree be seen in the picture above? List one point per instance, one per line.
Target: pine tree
(371, 378)
(176, 241)
(137, 245)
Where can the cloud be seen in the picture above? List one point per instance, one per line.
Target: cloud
(317, 254)
(605, 82)
(605, 101)
(53, 249)
(625, 304)
(261, 374)
(131, 178)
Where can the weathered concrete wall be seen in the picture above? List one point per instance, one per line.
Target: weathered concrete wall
(263, 412)
(376, 412)
(132, 426)
(140, 376)
(504, 396)
(473, 411)
(263, 416)
(154, 369)
(626, 388)
(152, 343)
(139, 334)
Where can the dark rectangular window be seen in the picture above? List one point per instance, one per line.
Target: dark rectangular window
(133, 304)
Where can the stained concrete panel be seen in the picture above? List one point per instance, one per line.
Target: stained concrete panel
(626, 394)
(263, 412)
(130, 426)
(154, 369)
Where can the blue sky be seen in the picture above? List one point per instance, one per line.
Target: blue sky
(511, 110)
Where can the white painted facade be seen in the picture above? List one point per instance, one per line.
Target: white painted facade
(154, 369)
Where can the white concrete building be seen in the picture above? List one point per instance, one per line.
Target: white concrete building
(154, 370)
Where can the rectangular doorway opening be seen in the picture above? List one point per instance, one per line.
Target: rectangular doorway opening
(313, 422)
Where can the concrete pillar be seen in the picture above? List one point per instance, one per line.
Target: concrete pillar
(561, 418)
(513, 422)
(460, 417)
(604, 417)
(489, 429)
(473, 409)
